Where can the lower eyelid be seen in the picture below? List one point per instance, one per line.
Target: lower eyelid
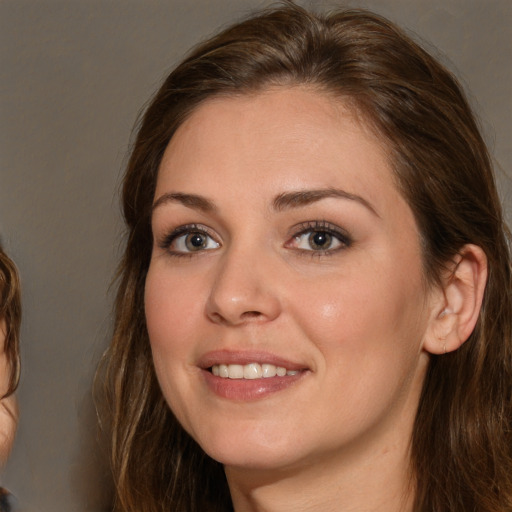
(338, 244)
(343, 238)
(167, 240)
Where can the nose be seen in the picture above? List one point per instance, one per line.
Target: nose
(243, 291)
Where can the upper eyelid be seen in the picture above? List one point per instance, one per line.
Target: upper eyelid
(323, 225)
(343, 237)
(169, 237)
(296, 230)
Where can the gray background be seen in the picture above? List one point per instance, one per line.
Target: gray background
(73, 76)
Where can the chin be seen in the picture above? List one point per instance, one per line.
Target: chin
(253, 461)
(252, 452)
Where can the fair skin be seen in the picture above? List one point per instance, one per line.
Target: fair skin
(281, 239)
(8, 405)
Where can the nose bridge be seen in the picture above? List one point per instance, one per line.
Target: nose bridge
(242, 290)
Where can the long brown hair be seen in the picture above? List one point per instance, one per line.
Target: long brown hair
(462, 440)
(10, 313)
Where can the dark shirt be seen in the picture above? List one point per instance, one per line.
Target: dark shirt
(6, 504)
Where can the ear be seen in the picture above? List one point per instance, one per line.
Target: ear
(457, 303)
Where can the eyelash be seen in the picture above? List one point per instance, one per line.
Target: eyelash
(304, 228)
(187, 229)
(323, 226)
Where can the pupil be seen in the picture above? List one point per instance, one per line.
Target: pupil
(320, 239)
(196, 240)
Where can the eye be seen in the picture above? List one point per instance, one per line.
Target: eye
(316, 241)
(189, 239)
(320, 237)
(193, 242)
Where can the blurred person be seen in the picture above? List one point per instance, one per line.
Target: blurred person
(10, 318)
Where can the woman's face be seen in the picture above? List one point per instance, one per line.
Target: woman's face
(285, 299)
(8, 406)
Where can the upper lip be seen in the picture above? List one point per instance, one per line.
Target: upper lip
(246, 357)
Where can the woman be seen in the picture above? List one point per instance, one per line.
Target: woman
(10, 317)
(313, 309)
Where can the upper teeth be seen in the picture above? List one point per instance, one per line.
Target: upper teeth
(250, 371)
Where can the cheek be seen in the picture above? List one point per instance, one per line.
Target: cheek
(171, 322)
(365, 314)
(172, 305)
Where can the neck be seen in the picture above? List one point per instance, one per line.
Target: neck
(380, 481)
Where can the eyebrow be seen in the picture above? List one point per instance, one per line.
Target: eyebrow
(189, 200)
(282, 202)
(300, 198)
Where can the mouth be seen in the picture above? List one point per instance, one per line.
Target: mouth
(251, 371)
(249, 375)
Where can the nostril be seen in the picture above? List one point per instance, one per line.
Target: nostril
(246, 316)
(251, 314)
(216, 317)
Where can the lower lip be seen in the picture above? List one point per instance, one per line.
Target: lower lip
(244, 390)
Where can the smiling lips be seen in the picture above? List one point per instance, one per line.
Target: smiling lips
(250, 371)
(248, 376)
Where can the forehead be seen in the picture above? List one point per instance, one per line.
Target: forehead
(285, 137)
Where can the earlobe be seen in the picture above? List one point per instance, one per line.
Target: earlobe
(455, 312)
